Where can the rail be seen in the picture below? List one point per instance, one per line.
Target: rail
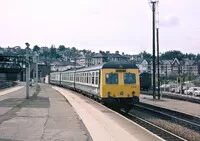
(166, 135)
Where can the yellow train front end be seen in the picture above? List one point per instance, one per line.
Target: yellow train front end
(120, 86)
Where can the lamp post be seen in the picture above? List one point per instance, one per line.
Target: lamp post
(153, 6)
(36, 67)
(27, 70)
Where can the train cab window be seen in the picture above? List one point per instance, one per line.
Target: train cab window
(111, 78)
(129, 78)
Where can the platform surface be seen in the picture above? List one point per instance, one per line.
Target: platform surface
(44, 117)
(104, 124)
(178, 105)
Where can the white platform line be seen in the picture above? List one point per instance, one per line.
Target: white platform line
(10, 90)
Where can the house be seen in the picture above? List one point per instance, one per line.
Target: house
(88, 61)
(176, 67)
(102, 57)
(143, 65)
(81, 60)
(191, 66)
(62, 66)
(166, 67)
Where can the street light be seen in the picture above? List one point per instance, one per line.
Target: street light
(27, 70)
(36, 66)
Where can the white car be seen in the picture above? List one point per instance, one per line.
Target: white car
(197, 93)
(177, 90)
(191, 90)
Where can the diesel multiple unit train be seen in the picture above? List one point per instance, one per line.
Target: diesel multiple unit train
(112, 83)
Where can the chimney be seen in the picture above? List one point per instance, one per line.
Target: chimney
(107, 52)
(116, 52)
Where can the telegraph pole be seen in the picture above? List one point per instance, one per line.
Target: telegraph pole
(27, 70)
(153, 3)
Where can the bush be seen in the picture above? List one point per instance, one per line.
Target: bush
(196, 83)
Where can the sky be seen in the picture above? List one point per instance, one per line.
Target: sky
(123, 25)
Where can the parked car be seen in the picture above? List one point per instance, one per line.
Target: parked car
(178, 89)
(191, 90)
(172, 90)
(197, 93)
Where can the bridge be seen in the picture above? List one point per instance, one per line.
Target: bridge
(11, 66)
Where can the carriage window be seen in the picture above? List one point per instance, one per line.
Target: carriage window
(92, 77)
(81, 77)
(87, 78)
(129, 78)
(111, 78)
(97, 78)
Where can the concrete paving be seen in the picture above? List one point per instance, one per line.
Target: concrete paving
(177, 105)
(45, 117)
(104, 124)
(9, 90)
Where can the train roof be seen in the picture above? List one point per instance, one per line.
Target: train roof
(119, 65)
(108, 65)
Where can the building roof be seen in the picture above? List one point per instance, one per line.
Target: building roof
(110, 65)
(108, 55)
(63, 63)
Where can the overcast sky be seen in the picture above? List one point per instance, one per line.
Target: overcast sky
(123, 25)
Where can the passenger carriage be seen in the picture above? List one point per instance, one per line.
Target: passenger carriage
(112, 82)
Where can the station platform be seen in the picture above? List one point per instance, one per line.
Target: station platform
(177, 105)
(104, 124)
(46, 116)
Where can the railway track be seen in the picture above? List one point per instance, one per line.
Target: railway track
(182, 119)
(161, 132)
(166, 135)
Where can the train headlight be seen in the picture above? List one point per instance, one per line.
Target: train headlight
(108, 93)
(121, 93)
(133, 93)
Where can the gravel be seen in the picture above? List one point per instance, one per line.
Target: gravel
(179, 130)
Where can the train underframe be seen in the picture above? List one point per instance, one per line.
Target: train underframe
(121, 103)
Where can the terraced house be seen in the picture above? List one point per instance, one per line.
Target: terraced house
(170, 67)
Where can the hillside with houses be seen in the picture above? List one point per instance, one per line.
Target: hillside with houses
(172, 63)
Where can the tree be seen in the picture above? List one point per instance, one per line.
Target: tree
(53, 52)
(36, 48)
(45, 54)
(61, 48)
(146, 55)
(73, 52)
(190, 56)
(170, 55)
(198, 57)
